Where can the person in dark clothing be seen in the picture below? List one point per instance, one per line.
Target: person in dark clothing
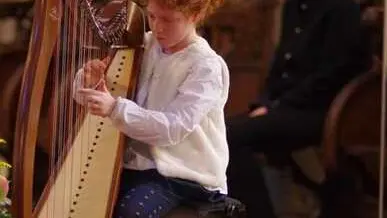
(322, 47)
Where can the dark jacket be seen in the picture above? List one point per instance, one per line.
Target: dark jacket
(322, 47)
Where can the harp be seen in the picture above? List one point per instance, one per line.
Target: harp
(83, 151)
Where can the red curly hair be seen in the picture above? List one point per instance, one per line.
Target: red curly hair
(203, 8)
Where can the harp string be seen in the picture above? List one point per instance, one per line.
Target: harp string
(76, 45)
(71, 35)
(81, 59)
(60, 107)
(53, 112)
(61, 98)
(63, 101)
(74, 68)
(72, 111)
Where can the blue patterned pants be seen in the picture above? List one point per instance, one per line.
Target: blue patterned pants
(147, 194)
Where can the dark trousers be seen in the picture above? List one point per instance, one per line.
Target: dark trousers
(276, 134)
(280, 130)
(149, 194)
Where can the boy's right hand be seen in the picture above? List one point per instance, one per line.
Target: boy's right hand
(260, 111)
(94, 72)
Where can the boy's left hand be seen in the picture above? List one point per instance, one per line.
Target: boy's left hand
(99, 102)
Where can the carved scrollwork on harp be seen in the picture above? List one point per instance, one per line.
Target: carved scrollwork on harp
(84, 151)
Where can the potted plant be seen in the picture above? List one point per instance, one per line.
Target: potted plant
(5, 202)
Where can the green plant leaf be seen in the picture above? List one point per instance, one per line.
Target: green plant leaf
(5, 164)
(2, 196)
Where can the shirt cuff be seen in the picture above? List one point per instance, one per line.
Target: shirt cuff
(122, 106)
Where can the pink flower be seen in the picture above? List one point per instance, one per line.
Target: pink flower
(4, 187)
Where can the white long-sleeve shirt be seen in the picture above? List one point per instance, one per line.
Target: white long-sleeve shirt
(177, 121)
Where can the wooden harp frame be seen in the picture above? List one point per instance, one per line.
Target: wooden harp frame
(44, 38)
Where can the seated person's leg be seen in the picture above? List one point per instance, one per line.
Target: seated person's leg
(142, 195)
(276, 134)
(149, 194)
(280, 130)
